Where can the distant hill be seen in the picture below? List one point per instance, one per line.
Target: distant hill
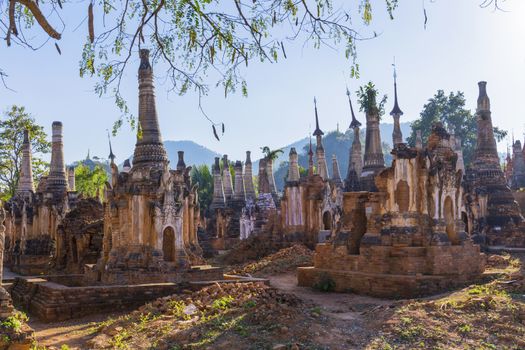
(334, 143)
(299, 145)
(194, 154)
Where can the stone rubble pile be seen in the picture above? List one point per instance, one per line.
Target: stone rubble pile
(187, 317)
(267, 299)
(254, 248)
(286, 259)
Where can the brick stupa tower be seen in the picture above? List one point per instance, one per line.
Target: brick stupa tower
(150, 231)
(25, 183)
(355, 161)
(374, 160)
(494, 216)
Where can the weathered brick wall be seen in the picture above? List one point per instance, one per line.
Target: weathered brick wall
(52, 302)
(394, 272)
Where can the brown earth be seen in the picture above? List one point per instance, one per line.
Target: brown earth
(284, 260)
(253, 316)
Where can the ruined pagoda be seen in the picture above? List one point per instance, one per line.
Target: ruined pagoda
(25, 183)
(151, 212)
(374, 160)
(355, 161)
(494, 216)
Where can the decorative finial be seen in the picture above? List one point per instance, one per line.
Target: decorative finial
(395, 72)
(317, 131)
(354, 123)
(111, 155)
(396, 110)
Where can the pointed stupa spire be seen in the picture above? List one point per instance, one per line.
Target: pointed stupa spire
(149, 149)
(355, 158)
(396, 113)
(25, 183)
(111, 155)
(310, 159)
(396, 109)
(322, 168)
(355, 123)
(317, 132)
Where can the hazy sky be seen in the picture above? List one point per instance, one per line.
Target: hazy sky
(461, 45)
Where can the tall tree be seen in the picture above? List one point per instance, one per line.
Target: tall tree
(450, 110)
(12, 126)
(202, 175)
(90, 182)
(189, 37)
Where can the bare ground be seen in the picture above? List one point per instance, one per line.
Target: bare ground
(73, 333)
(486, 316)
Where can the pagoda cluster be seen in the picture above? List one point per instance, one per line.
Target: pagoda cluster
(420, 222)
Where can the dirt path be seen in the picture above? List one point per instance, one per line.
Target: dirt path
(352, 319)
(73, 333)
(344, 306)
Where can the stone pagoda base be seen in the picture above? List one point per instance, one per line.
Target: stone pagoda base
(394, 272)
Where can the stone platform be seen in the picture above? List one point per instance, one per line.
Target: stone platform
(381, 285)
(394, 272)
(63, 297)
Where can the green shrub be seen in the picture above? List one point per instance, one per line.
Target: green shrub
(325, 283)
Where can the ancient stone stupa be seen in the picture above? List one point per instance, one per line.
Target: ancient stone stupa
(34, 217)
(151, 212)
(406, 238)
(494, 218)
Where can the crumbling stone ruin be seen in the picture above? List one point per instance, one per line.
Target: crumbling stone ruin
(82, 232)
(404, 234)
(10, 338)
(236, 212)
(494, 218)
(151, 213)
(34, 216)
(230, 211)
